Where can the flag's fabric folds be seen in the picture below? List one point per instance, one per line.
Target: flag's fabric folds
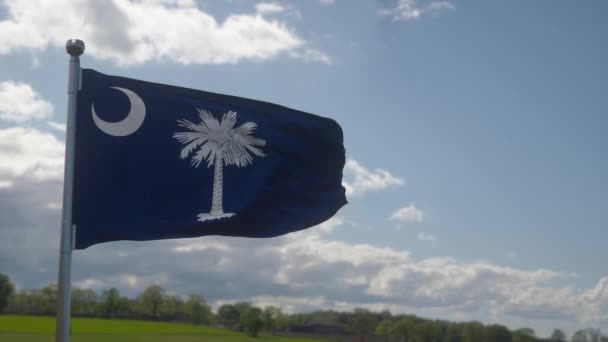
(155, 162)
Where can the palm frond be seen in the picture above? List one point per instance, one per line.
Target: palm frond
(249, 143)
(235, 154)
(246, 129)
(228, 121)
(209, 120)
(213, 139)
(187, 137)
(206, 152)
(192, 126)
(249, 140)
(191, 146)
(255, 151)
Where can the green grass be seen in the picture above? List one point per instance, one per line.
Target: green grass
(15, 328)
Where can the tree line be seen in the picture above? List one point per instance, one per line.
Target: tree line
(154, 303)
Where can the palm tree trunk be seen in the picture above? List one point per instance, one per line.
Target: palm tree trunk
(218, 180)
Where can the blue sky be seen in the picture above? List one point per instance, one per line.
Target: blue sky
(485, 122)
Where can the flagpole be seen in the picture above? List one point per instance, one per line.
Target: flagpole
(74, 48)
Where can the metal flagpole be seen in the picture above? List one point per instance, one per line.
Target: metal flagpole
(75, 48)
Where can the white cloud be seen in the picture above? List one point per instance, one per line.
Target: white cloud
(411, 9)
(128, 32)
(269, 8)
(365, 275)
(20, 103)
(330, 225)
(311, 55)
(35, 63)
(512, 255)
(327, 2)
(422, 236)
(115, 280)
(31, 154)
(201, 246)
(408, 214)
(57, 126)
(364, 180)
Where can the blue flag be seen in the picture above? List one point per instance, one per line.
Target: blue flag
(156, 162)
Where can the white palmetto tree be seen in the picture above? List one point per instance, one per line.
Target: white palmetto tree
(218, 143)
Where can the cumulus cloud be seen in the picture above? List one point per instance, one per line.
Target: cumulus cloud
(20, 103)
(128, 32)
(408, 214)
(422, 236)
(28, 153)
(57, 126)
(412, 9)
(362, 180)
(269, 8)
(311, 55)
(330, 225)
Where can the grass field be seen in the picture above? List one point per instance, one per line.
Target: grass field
(42, 329)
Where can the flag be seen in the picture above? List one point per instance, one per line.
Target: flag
(155, 161)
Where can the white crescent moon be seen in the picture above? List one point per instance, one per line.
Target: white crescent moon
(129, 124)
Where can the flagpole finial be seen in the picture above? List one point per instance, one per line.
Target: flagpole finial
(75, 47)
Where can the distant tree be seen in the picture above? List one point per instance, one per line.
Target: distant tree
(6, 290)
(429, 331)
(110, 303)
(44, 300)
(524, 335)
(558, 336)
(402, 329)
(151, 300)
(453, 333)
(271, 316)
(241, 307)
(593, 334)
(472, 332)
(496, 333)
(125, 308)
(228, 316)
(20, 302)
(580, 336)
(384, 328)
(329, 317)
(251, 321)
(173, 308)
(297, 319)
(77, 298)
(89, 302)
(363, 323)
(527, 331)
(282, 321)
(198, 310)
(385, 314)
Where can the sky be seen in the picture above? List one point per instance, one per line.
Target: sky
(475, 133)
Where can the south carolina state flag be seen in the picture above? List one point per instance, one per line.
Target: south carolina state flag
(156, 162)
